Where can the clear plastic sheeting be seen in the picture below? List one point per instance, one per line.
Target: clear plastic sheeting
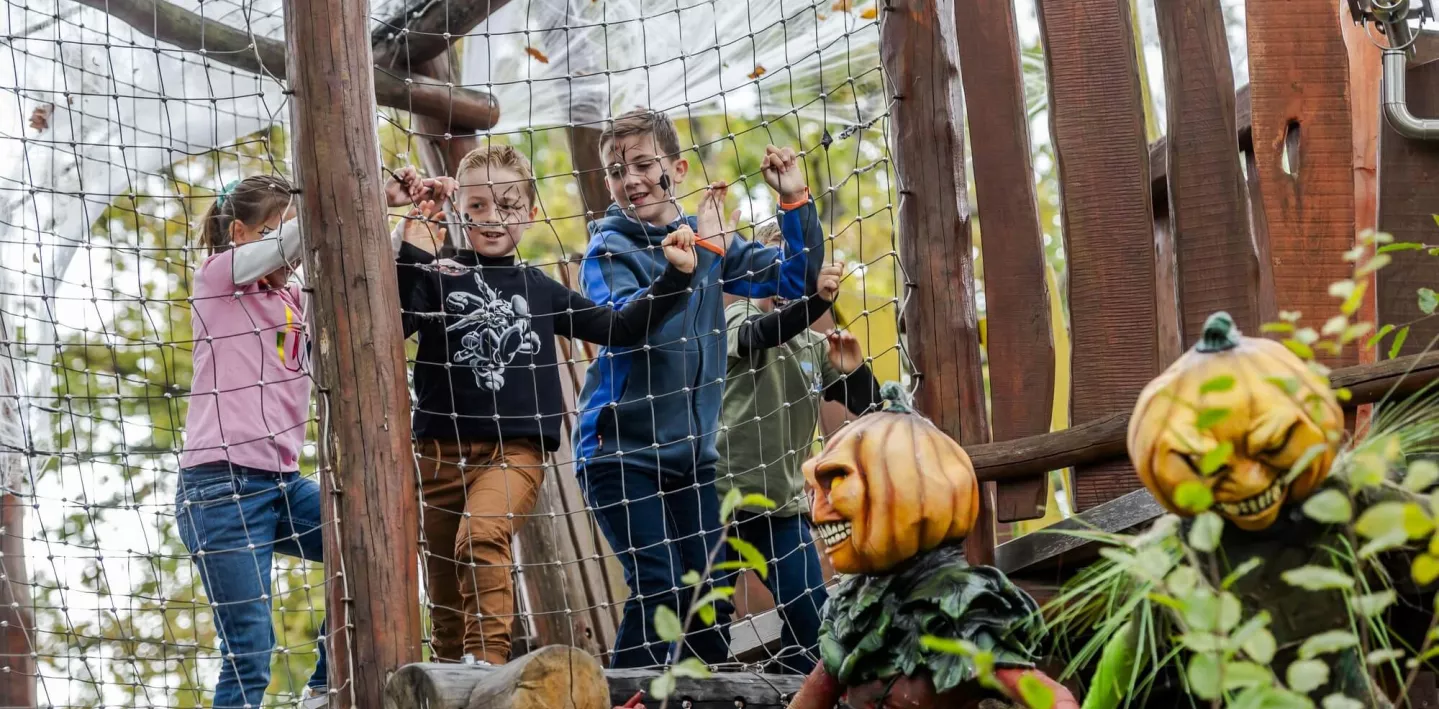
(558, 62)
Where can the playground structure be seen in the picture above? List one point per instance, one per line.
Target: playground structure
(1247, 205)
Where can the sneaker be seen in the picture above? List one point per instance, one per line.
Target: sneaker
(318, 698)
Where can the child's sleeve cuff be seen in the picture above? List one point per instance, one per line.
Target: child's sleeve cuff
(791, 206)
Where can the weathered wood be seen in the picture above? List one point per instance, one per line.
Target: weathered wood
(1103, 439)
(1408, 173)
(1298, 82)
(1123, 513)
(589, 169)
(367, 469)
(17, 664)
(447, 686)
(1217, 266)
(1159, 149)
(175, 25)
(446, 141)
(554, 676)
(1021, 382)
(425, 29)
(920, 57)
(1365, 76)
(1100, 144)
(546, 580)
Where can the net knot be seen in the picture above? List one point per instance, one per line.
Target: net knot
(895, 399)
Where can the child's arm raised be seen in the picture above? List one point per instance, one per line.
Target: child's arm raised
(772, 329)
(755, 271)
(258, 259)
(847, 378)
(627, 325)
(422, 238)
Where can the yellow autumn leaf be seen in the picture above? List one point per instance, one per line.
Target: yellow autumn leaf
(758, 71)
(538, 55)
(1425, 569)
(869, 13)
(842, 5)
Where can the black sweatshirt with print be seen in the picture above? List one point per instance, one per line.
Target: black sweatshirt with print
(486, 367)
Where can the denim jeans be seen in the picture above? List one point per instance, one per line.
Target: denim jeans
(660, 526)
(233, 519)
(795, 580)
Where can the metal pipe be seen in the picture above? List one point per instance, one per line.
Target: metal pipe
(1396, 108)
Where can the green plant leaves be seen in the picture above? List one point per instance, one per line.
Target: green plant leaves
(691, 667)
(1425, 569)
(1209, 418)
(1329, 506)
(1193, 496)
(1305, 676)
(1204, 676)
(1339, 701)
(662, 686)
(667, 624)
(1035, 692)
(1372, 604)
(1216, 458)
(1205, 532)
(1398, 343)
(1223, 382)
(1428, 300)
(1317, 578)
(1421, 476)
(1327, 642)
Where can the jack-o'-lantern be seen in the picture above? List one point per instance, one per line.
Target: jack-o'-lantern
(888, 486)
(1235, 414)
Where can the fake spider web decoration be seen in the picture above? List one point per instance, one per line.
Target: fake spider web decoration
(115, 145)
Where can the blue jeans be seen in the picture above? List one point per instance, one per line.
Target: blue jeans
(223, 510)
(660, 526)
(795, 580)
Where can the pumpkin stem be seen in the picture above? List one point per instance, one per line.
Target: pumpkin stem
(1220, 334)
(895, 398)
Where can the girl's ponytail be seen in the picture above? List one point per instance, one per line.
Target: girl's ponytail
(251, 201)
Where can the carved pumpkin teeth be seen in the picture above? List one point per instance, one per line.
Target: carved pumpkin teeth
(833, 533)
(1256, 504)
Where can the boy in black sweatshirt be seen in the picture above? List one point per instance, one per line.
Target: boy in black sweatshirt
(487, 386)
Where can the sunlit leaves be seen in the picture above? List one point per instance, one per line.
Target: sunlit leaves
(1326, 643)
(1329, 506)
(1205, 532)
(1317, 578)
(1193, 496)
(1306, 675)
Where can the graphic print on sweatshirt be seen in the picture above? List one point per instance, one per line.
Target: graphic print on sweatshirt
(498, 331)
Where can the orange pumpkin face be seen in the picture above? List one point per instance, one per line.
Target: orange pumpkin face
(1251, 397)
(887, 487)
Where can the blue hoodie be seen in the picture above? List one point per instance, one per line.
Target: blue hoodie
(656, 406)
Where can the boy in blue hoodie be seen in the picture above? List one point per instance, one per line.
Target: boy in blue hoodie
(645, 442)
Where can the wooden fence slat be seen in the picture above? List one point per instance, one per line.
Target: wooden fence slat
(920, 57)
(17, 620)
(1408, 173)
(1303, 150)
(1097, 124)
(1217, 265)
(1021, 381)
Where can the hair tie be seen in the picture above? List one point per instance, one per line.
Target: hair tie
(225, 193)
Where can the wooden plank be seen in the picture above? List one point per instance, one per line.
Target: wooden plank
(1123, 513)
(172, 24)
(920, 57)
(1098, 130)
(446, 141)
(1102, 440)
(1021, 381)
(1298, 82)
(17, 664)
(1217, 266)
(368, 475)
(448, 686)
(1408, 172)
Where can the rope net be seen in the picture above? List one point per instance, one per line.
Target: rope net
(135, 577)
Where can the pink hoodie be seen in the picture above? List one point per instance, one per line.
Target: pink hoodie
(250, 396)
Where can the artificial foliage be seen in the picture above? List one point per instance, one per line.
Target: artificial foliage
(873, 624)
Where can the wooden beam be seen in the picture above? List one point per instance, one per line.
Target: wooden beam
(1118, 515)
(1103, 156)
(1408, 172)
(1303, 150)
(367, 467)
(1103, 439)
(589, 169)
(1021, 383)
(1217, 266)
(919, 54)
(449, 686)
(552, 676)
(171, 24)
(425, 29)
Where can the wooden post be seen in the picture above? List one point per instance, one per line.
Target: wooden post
(1409, 169)
(1217, 264)
(920, 57)
(17, 664)
(1303, 151)
(1096, 115)
(589, 169)
(1021, 377)
(371, 521)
